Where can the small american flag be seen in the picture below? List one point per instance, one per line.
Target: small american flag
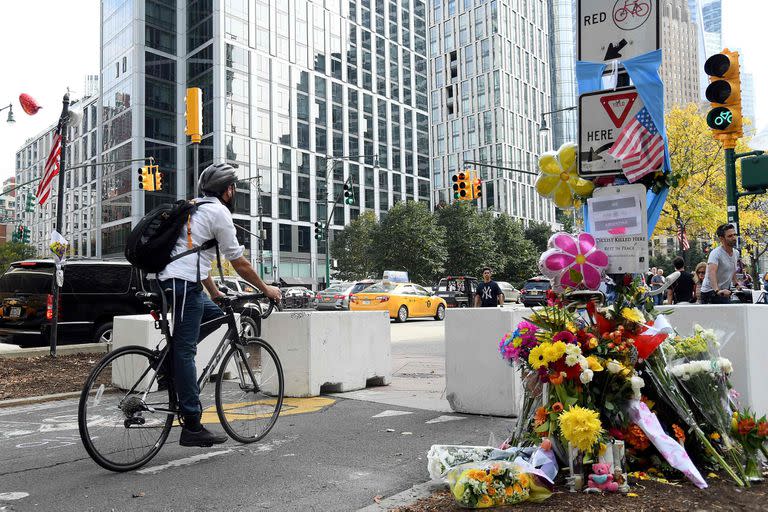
(683, 238)
(639, 147)
(51, 170)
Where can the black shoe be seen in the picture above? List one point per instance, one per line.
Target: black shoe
(203, 437)
(162, 382)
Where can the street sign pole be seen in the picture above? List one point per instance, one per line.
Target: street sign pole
(731, 193)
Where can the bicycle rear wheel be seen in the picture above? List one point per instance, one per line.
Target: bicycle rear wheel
(249, 390)
(123, 422)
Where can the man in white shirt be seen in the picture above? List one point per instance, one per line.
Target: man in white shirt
(191, 306)
(721, 268)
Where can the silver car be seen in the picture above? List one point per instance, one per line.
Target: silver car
(511, 294)
(336, 297)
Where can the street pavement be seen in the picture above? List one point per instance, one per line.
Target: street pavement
(359, 446)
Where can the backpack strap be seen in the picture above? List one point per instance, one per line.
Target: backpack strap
(202, 247)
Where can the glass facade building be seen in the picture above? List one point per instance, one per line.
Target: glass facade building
(564, 124)
(489, 84)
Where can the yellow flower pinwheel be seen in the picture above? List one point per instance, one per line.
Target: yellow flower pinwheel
(559, 180)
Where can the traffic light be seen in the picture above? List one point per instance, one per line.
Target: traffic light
(724, 94)
(461, 189)
(319, 228)
(158, 177)
(15, 235)
(477, 188)
(25, 235)
(194, 114)
(30, 203)
(349, 195)
(146, 179)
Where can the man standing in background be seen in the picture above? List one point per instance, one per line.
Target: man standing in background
(488, 292)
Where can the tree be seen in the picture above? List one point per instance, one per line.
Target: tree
(539, 233)
(518, 254)
(469, 239)
(409, 238)
(352, 248)
(14, 251)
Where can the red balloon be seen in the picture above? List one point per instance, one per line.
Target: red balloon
(28, 104)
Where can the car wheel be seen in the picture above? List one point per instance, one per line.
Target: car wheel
(248, 327)
(402, 314)
(440, 313)
(103, 333)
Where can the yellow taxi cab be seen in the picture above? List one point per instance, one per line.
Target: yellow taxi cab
(402, 300)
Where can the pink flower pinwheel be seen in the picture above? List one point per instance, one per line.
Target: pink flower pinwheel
(569, 253)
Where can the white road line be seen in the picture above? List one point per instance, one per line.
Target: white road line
(11, 496)
(442, 419)
(182, 462)
(391, 412)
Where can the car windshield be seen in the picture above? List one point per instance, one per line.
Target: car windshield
(537, 285)
(360, 287)
(27, 280)
(381, 288)
(335, 288)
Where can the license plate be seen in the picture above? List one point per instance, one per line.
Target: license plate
(327, 299)
(366, 302)
(15, 312)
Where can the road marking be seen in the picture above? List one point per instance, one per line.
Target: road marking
(291, 406)
(11, 496)
(442, 419)
(187, 461)
(390, 412)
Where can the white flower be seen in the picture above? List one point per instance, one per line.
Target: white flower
(583, 362)
(571, 360)
(614, 366)
(725, 365)
(586, 376)
(572, 350)
(637, 384)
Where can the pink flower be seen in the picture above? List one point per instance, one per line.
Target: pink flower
(565, 336)
(574, 253)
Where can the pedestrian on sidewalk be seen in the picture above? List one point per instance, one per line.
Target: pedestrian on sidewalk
(682, 290)
(488, 293)
(656, 282)
(698, 279)
(721, 268)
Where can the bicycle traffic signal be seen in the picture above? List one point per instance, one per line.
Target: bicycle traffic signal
(461, 189)
(29, 205)
(477, 188)
(25, 235)
(724, 94)
(349, 195)
(146, 179)
(319, 230)
(194, 114)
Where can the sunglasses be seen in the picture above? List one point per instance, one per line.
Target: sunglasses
(701, 273)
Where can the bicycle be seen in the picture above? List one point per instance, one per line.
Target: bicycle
(125, 414)
(635, 8)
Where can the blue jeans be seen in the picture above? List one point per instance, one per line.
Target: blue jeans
(191, 307)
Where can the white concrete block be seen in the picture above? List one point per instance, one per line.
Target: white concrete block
(477, 379)
(743, 329)
(341, 350)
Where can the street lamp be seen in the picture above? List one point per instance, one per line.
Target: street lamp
(543, 125)
(10, 118)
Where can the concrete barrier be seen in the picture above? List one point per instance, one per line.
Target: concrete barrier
(477, 379)
(337, 350)
(744, 328)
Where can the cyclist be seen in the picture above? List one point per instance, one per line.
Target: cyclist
(191, 307)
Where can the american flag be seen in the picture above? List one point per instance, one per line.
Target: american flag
(682, 238)
(51, 170)
(639, 147)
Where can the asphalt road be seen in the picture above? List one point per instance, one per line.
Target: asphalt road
(337, 458)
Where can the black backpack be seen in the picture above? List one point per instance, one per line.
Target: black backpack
(151, 242)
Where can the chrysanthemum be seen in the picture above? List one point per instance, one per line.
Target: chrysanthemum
(581, 427)
(538, 358)
(633, 315)
(555, 351)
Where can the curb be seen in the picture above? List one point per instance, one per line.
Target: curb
(14, 402)
(84, 348)
(407, 497)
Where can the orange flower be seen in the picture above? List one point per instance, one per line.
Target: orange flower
(557, 407)
(746, 426)
(762, 429)
(556, 379)
(679, 434)
(546, 444)
(637, 438)
(540, 416)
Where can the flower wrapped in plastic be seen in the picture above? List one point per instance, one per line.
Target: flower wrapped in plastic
(497, 483)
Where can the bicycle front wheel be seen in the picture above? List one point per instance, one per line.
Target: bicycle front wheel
(122, 417)
(249, 390)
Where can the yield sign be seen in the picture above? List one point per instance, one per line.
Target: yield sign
(618, 106)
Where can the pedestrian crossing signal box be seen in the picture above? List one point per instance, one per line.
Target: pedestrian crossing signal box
(754, 173)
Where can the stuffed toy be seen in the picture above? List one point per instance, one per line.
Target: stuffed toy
(602, 479)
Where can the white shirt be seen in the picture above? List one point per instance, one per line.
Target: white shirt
(211, 220)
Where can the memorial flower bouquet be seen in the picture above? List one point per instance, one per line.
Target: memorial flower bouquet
(495, 483)
(751, 433)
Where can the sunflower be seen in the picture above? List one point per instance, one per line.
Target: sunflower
(537, 357)
(581, 427)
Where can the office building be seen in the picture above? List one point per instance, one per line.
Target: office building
(291, 90)
(489, 84)
(564, 124)
(680, 65)
(7, 209)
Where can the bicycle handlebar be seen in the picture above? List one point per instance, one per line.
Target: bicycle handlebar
(239, 296)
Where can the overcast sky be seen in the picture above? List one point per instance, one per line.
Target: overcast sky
(50, 45)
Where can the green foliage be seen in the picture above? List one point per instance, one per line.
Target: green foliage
(14, 251)
(352, 248)
(519, 255)
(409, 238)
(469, 239)
(663, 261)
(539, 233)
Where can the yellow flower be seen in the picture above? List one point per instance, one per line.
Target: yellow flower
(555, 351)
(633, 315)
(594, 364)
(516, 342)
(581, 427)
(570, 327)
(537, 358)
(714, 436)
(508, 491)
(523, 479)
(593, 342)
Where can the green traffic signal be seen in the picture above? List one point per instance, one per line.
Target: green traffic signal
(719, 118)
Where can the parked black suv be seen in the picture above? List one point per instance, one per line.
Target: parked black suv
(457, 291)
(94, 291)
